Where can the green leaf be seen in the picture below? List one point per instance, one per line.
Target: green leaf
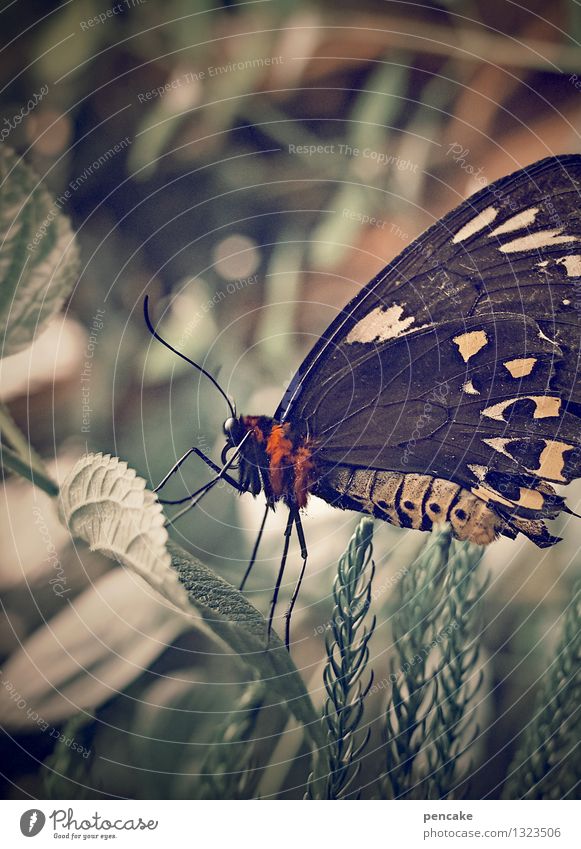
(106, 504)
(39, 259)
(452, 722)
(241, 626)
(11, 460)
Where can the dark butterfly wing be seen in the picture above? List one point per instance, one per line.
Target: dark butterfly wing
(460, 359)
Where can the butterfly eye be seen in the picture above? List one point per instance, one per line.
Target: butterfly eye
(229, 426)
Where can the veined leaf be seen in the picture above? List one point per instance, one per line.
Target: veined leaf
(241, 626)
(106, 504)
(38, 254)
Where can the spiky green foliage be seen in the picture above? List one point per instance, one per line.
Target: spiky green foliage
(412, 692)
(452, 726)
(229, 770)
(347, 644)
(546, 764)
(432, 673)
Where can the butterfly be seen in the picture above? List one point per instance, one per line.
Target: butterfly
(447, 390)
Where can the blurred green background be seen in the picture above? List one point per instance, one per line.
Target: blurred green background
(249, 166)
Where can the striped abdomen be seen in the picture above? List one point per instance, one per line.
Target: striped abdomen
(411, 501)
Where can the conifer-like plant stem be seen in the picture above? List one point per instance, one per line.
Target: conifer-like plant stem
(452, 725)
(229, 770)
(547, 764)
(347, 645)
(433, 672)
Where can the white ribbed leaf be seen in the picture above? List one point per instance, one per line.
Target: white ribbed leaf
(105, 503)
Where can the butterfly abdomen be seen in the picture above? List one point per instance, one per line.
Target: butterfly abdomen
(412, 501)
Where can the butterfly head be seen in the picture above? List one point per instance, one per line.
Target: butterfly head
(234, 430)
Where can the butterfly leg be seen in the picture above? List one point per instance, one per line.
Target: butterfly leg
(287, 536)
(232, 481)
(173, 470)
(195, 497)
(255, 549)
(193, 500)
(295, 595)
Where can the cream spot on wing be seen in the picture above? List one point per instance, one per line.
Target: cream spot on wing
(520, 367)
(517, 222)
(478, 471)
(543, 263)
(470, 343)
(545, 407)
(540, 239)
(528, 498)
(552, 461)
(566, 302)
(469, 389)
(572, 264)
(487, 494)
(499, 444)
(476, 224)
(381, 324)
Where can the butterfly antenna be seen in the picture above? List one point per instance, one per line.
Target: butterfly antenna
(207, 374)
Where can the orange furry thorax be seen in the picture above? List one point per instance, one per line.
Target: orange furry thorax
(289, 458)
